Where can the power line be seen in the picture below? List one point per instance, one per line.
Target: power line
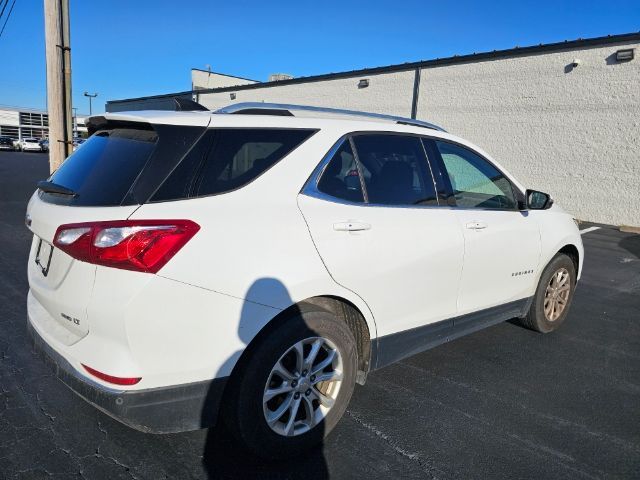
(8, 16)
(6, 2)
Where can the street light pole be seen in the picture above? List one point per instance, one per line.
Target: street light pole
(90, 95)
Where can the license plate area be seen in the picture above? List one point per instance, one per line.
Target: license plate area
(44, 253)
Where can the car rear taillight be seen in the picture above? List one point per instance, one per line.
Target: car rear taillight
(139, 245)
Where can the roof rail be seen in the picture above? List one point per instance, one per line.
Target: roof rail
(260, 108)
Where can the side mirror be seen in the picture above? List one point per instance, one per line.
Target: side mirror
(538, 200)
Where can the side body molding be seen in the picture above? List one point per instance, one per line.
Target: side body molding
(392, 348)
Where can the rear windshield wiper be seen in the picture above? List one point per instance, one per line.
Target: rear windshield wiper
(50, 187)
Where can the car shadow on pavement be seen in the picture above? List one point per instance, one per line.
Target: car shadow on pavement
(631, 244)
(223, 456)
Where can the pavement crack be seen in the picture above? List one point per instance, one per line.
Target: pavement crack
(533, 447)
(108, 458)
(47, 414)
(102, 429)
(115, 461)
(425, 465)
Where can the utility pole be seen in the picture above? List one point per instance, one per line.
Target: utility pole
(90, 95)
(58, 54)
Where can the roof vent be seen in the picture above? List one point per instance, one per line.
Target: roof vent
(276, 77)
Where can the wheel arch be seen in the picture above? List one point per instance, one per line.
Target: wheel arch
(342, 308)
(573, 253)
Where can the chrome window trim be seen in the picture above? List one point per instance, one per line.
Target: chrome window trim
(310, 189)
(311, 186)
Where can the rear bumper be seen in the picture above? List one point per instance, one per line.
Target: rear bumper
(172, 409)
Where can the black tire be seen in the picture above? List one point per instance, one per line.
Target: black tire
(243, 412)
(536, 318)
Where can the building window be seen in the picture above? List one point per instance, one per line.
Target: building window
(7, 131)
(35, 119)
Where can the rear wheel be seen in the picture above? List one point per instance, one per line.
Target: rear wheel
(294, 387)
(553, 296)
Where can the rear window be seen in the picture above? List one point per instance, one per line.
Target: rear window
(104, 169)
(227, 159)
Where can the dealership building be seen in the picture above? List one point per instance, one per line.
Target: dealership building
(563, 117)
(18, 123)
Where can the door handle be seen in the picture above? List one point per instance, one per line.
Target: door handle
(476, 225)
(351, 226)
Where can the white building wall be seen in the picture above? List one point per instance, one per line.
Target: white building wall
(9, 117)
(386, 93)
(203, 79)
(572, 132)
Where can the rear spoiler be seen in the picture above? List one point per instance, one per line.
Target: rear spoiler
(100, 122)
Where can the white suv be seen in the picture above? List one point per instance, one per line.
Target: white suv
(255, 263)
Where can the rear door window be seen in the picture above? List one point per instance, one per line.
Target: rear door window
(395, 170)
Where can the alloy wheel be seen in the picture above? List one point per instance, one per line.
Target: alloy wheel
(302, 386)
(556, 296)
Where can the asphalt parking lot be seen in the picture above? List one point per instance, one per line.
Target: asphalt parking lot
(502, 403)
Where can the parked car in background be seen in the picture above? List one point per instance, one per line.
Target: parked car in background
(254, 264)
(77, 142)
(29, 145)
(6, 143)
(44, 145)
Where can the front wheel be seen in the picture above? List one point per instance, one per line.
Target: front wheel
(553, 296)
(294, 386)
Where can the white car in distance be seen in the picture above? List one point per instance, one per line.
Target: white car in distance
(29, 145)
(252, 265)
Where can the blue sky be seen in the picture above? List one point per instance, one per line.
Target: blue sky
(124, 49)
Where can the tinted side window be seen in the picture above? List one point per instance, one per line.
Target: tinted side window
(238, 156)
(395, 170)
(340, 178)
(180, 182)
(475, 182)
